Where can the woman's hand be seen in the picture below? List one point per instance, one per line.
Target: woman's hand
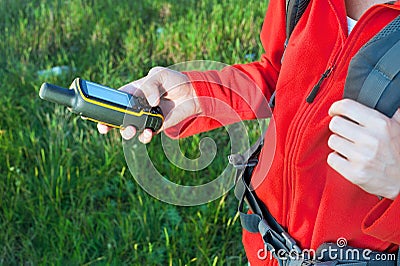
(366, 147)
(169, 89)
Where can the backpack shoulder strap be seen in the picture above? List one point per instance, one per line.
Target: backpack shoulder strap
(294, 10)
(373, 77)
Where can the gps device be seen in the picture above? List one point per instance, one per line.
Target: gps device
(104, 105)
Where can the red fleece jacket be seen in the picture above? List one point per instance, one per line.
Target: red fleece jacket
(307, 197)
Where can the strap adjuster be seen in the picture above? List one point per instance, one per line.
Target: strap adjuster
(291, 243)
(238, 161)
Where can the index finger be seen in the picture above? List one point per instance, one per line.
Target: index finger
(354, 111)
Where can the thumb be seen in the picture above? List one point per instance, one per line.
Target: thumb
(133, 86)
(396, 116)
(151, 85)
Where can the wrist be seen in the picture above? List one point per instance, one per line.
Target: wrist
(193, 95)
(197, 106)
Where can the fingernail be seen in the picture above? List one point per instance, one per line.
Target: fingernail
(128, 132)
(102, 128)
(147, 133)
(140, 138)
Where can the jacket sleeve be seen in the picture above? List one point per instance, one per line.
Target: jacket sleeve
(238, 92)
(383, 221)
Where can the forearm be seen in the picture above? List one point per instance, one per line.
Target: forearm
(228, 96)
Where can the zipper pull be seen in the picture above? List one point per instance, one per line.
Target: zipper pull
(317, 86)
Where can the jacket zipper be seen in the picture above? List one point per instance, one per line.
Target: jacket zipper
(310, 98)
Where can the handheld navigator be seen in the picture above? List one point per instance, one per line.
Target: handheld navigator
(104, 105)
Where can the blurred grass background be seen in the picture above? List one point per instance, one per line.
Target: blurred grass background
(67, 197)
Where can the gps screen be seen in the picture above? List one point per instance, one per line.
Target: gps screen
(108, 94)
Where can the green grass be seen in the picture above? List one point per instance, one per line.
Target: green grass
(67, 196)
